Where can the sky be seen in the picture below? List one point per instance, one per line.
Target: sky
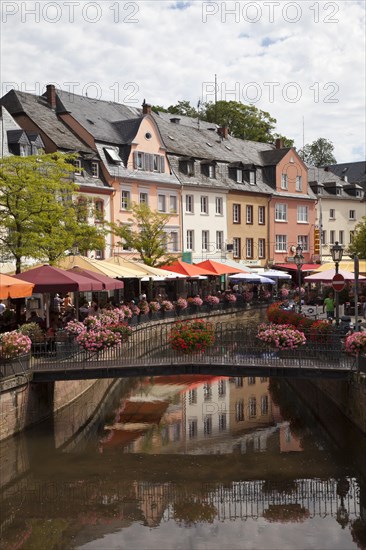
(303, 62)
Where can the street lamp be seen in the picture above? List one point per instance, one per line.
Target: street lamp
(299, 260)
(337, 253)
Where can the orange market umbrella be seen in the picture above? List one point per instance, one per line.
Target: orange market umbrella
(219, 269)
(189, 270)
(10, 287)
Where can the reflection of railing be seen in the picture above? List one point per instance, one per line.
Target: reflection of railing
(239, 500)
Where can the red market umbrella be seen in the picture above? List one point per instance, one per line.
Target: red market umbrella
(107, 282)
(184, 268)
(10, 287)
(47, 278)
(327, 276)
(219, 269)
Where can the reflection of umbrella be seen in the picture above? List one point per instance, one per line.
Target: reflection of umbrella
(184, 268)
(253, 278)
(10, 287)
(327, 276)
(219, 269)
(47, 278)
(107, 282)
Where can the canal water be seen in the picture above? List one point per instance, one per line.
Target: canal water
(188, 462)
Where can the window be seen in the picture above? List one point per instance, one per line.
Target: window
(219, 240)
(252, 177)
(139, 160)
(190, 168)
(222, 422)
(189, 204)
(161, 203)
(352, 215)
(207, 424)
(158, 163)
(192, 397)
(173, 241)
(99, 254)
(192, 428)
(324, 237)
(236, 213)
(239, 175)
(341, 237)
(125, 200)
(144, 198)
(149, 162)
(219, 209)
(264, 404)
(99, 210)
(95, 169)
(284, 183)
(77, 165)
(332, 214)
(239, 411)
(303, 241)
(261, 215)
(249, 248)
(207, 391)
(302, 214)
(281, 212)
(251, 380)
(190, 239)
(338, 191)
(204, 205)
(211, 171)
(239, 381)
(205, 240)
(298, 183)
(173, 202)
(281, 243)
(221, 388)
(249, 214)
(236, 247)
(112, 155)
(331, 237)
(252, 407)
(261, 248)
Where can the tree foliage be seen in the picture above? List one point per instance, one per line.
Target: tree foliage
(244, 121)
(38, 215)
(358, 245)
(318, 153)
(145, 233)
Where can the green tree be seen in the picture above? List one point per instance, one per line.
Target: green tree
(38, 216)
(145, 233)
(318, 153)
(183, 108)
(358, 245)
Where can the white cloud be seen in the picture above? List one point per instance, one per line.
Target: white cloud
(169, 52)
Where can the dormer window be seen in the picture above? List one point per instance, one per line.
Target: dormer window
(95, 169)
(239, 175)
(208, 169)
(77, 165)
(187, 167)
(338, 191)
(251, 177)
(211, 171)
(112, 155)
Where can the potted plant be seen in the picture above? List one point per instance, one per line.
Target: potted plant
(281, 337)
(356, 343)
(14, 344)
(193, 336)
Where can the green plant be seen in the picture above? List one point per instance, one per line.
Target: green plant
(192, 336)
(32, 330)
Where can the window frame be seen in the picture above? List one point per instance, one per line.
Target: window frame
(236, 213)
(281, 210)
(204, 204)
(189, 201)
(282, 241)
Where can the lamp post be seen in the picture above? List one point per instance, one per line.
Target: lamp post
(337, 253)
(299, 260)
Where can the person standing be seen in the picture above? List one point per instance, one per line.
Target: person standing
(328, 306)
(2, 307)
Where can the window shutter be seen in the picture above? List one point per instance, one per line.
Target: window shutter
(162, 164)
(135, 160)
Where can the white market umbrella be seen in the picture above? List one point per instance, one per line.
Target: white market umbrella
(276, 274)
(252, 278)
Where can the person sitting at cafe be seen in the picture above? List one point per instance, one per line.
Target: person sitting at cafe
(34, 318)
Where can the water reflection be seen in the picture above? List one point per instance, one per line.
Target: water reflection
(189, 462)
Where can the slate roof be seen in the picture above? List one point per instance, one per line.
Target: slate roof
(328, 181)
(274, 156)
(99, 117)
(190, 140)
(37, 108)
(128, 129)
(355, 171)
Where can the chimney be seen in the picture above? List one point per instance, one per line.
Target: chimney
(51, 96)
(146, 109)
(223, 132)
(279, 143)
